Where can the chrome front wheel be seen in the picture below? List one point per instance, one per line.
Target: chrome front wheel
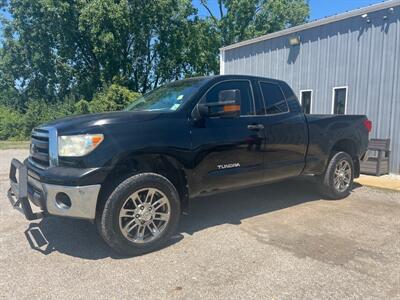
(140, 215)
(144, 215)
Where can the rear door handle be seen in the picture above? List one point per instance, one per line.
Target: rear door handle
(255, 126)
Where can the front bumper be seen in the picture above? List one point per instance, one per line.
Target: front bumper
(25, 190)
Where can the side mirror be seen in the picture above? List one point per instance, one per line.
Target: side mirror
(228, 105)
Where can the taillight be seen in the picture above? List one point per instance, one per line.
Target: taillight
(368, 125)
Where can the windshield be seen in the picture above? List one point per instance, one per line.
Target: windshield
(168, 97)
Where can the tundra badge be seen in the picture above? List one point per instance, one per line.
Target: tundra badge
(228, 166)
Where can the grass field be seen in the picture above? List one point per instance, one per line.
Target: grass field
(14, 145)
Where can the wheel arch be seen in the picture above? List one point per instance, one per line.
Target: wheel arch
(350, 147)
(162, 164)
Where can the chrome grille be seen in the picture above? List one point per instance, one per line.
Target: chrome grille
(39, 149)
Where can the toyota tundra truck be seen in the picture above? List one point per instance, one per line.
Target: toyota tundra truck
(134, 172)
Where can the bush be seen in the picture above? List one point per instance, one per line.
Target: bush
(82, 107)
(11, 124)
(113, 98)
(17, 126)
(39, 112)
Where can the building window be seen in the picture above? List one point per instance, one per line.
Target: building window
(339, 100)
(305, 99)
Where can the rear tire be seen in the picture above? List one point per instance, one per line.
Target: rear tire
(140, 215)
(337, 181)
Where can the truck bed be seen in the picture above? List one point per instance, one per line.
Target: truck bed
(324, 129)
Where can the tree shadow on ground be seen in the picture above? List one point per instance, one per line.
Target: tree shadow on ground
(79, 238)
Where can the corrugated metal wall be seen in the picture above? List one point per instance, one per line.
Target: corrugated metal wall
(351, 52)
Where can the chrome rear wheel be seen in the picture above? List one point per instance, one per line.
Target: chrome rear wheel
(342, 176)
(337, 180)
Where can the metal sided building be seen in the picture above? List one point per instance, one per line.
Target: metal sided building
(344, 64)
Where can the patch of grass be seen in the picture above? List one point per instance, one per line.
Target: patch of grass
(14, 145)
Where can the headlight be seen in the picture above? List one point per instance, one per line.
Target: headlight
(78, 145)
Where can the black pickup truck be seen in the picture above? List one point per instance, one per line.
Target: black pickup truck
(133, 172)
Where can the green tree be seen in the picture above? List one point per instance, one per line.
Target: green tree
(72, 48)
(237, 20)
(67, 50)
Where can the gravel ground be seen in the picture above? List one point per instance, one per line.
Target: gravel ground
(275, 242)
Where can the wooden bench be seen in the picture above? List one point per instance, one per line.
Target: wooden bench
(376, 164)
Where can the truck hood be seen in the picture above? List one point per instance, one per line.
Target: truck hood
(93, 122)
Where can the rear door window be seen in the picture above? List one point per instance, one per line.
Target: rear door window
(275, 101)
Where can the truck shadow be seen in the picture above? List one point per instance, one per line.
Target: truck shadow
(79, 238)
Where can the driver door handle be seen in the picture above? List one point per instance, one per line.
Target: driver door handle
(255, 126)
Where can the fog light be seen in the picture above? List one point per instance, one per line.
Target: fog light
(63, 201)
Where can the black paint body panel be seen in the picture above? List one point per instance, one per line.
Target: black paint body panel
(290, 144)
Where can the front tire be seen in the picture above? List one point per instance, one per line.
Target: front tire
(140, 215)
(337, 181)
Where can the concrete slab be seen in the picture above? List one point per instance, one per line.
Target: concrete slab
(281, 241)
(391, 182)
